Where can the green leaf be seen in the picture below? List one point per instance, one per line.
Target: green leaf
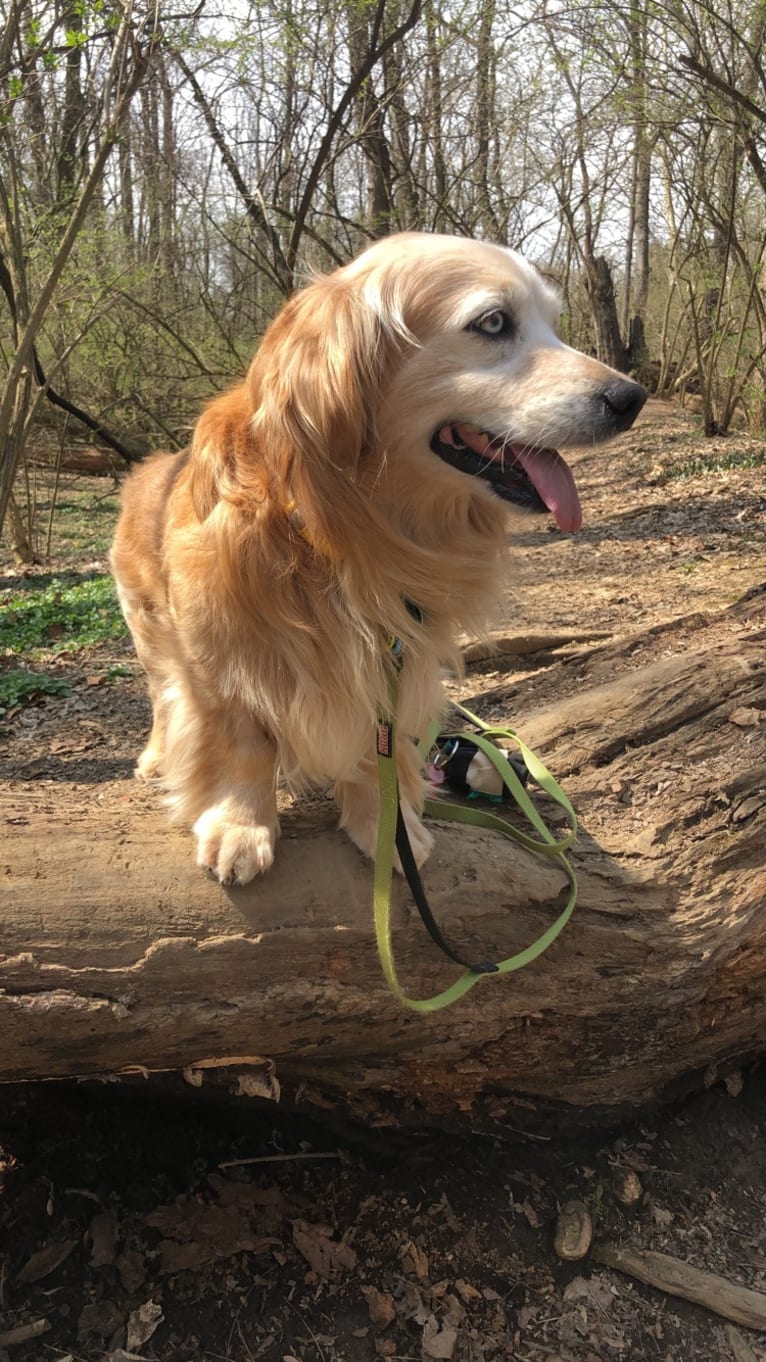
(19, 687)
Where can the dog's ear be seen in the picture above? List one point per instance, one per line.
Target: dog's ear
(314, 387)
(223, 464)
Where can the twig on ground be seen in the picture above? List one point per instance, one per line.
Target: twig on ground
(23, 1332)
(278, 1158)
(665, 1273)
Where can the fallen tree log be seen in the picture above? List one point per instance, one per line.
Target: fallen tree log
(118, 957)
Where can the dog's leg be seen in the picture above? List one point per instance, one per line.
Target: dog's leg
(219, 769)
(359, 802)
(149, 764)
(412, 793)
(150, 648)
(237, 833)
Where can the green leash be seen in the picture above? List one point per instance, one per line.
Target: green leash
(545, 844)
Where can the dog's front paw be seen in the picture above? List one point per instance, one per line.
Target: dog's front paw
(149, 764)
(235, 852)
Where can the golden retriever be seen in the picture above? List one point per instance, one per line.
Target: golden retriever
(353, 489)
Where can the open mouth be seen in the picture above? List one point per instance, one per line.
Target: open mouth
(538, 479)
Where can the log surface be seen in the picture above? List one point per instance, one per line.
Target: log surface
(118, 956)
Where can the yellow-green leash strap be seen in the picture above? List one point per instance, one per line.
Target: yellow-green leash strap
(389, 799)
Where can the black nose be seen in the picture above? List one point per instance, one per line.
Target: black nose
(623, 400)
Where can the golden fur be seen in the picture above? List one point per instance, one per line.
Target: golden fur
(262, 571)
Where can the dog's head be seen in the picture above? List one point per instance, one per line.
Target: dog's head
(430, 360)
(421, 385)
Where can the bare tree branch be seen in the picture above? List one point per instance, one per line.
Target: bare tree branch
(279, 270)
(375, 52)
(716, 82)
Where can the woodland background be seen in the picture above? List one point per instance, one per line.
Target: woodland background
(169, 174)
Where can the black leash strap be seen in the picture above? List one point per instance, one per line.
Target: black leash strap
(412, 875)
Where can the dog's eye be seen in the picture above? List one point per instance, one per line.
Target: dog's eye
(493, 324)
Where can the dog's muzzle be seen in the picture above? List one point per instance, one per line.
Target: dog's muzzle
(538, 479)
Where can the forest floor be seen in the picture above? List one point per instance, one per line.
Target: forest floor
(136, 1226)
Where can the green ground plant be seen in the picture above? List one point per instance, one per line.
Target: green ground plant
(60, 616)
(84, 524)
(48, 618)
(18, 687)
(717, 461)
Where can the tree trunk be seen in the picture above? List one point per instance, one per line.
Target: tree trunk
(610, 347)
(433, 119)
(127, 212)
(636, 282)
(371, 125)
(485, 118)
(408, 215)
(118, 957)
(73, 117)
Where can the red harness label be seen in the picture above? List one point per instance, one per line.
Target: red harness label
(385, 739)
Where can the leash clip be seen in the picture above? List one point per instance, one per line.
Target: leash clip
(442, 755)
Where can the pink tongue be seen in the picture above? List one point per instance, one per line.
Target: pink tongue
(545, 468)
(553, 479)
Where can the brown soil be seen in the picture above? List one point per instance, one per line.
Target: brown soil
(125, 1229)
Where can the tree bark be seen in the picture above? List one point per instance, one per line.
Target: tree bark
(118, 957)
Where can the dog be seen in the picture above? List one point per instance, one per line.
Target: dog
(351, 491)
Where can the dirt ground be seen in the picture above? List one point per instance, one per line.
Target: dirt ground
(133, 1225)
